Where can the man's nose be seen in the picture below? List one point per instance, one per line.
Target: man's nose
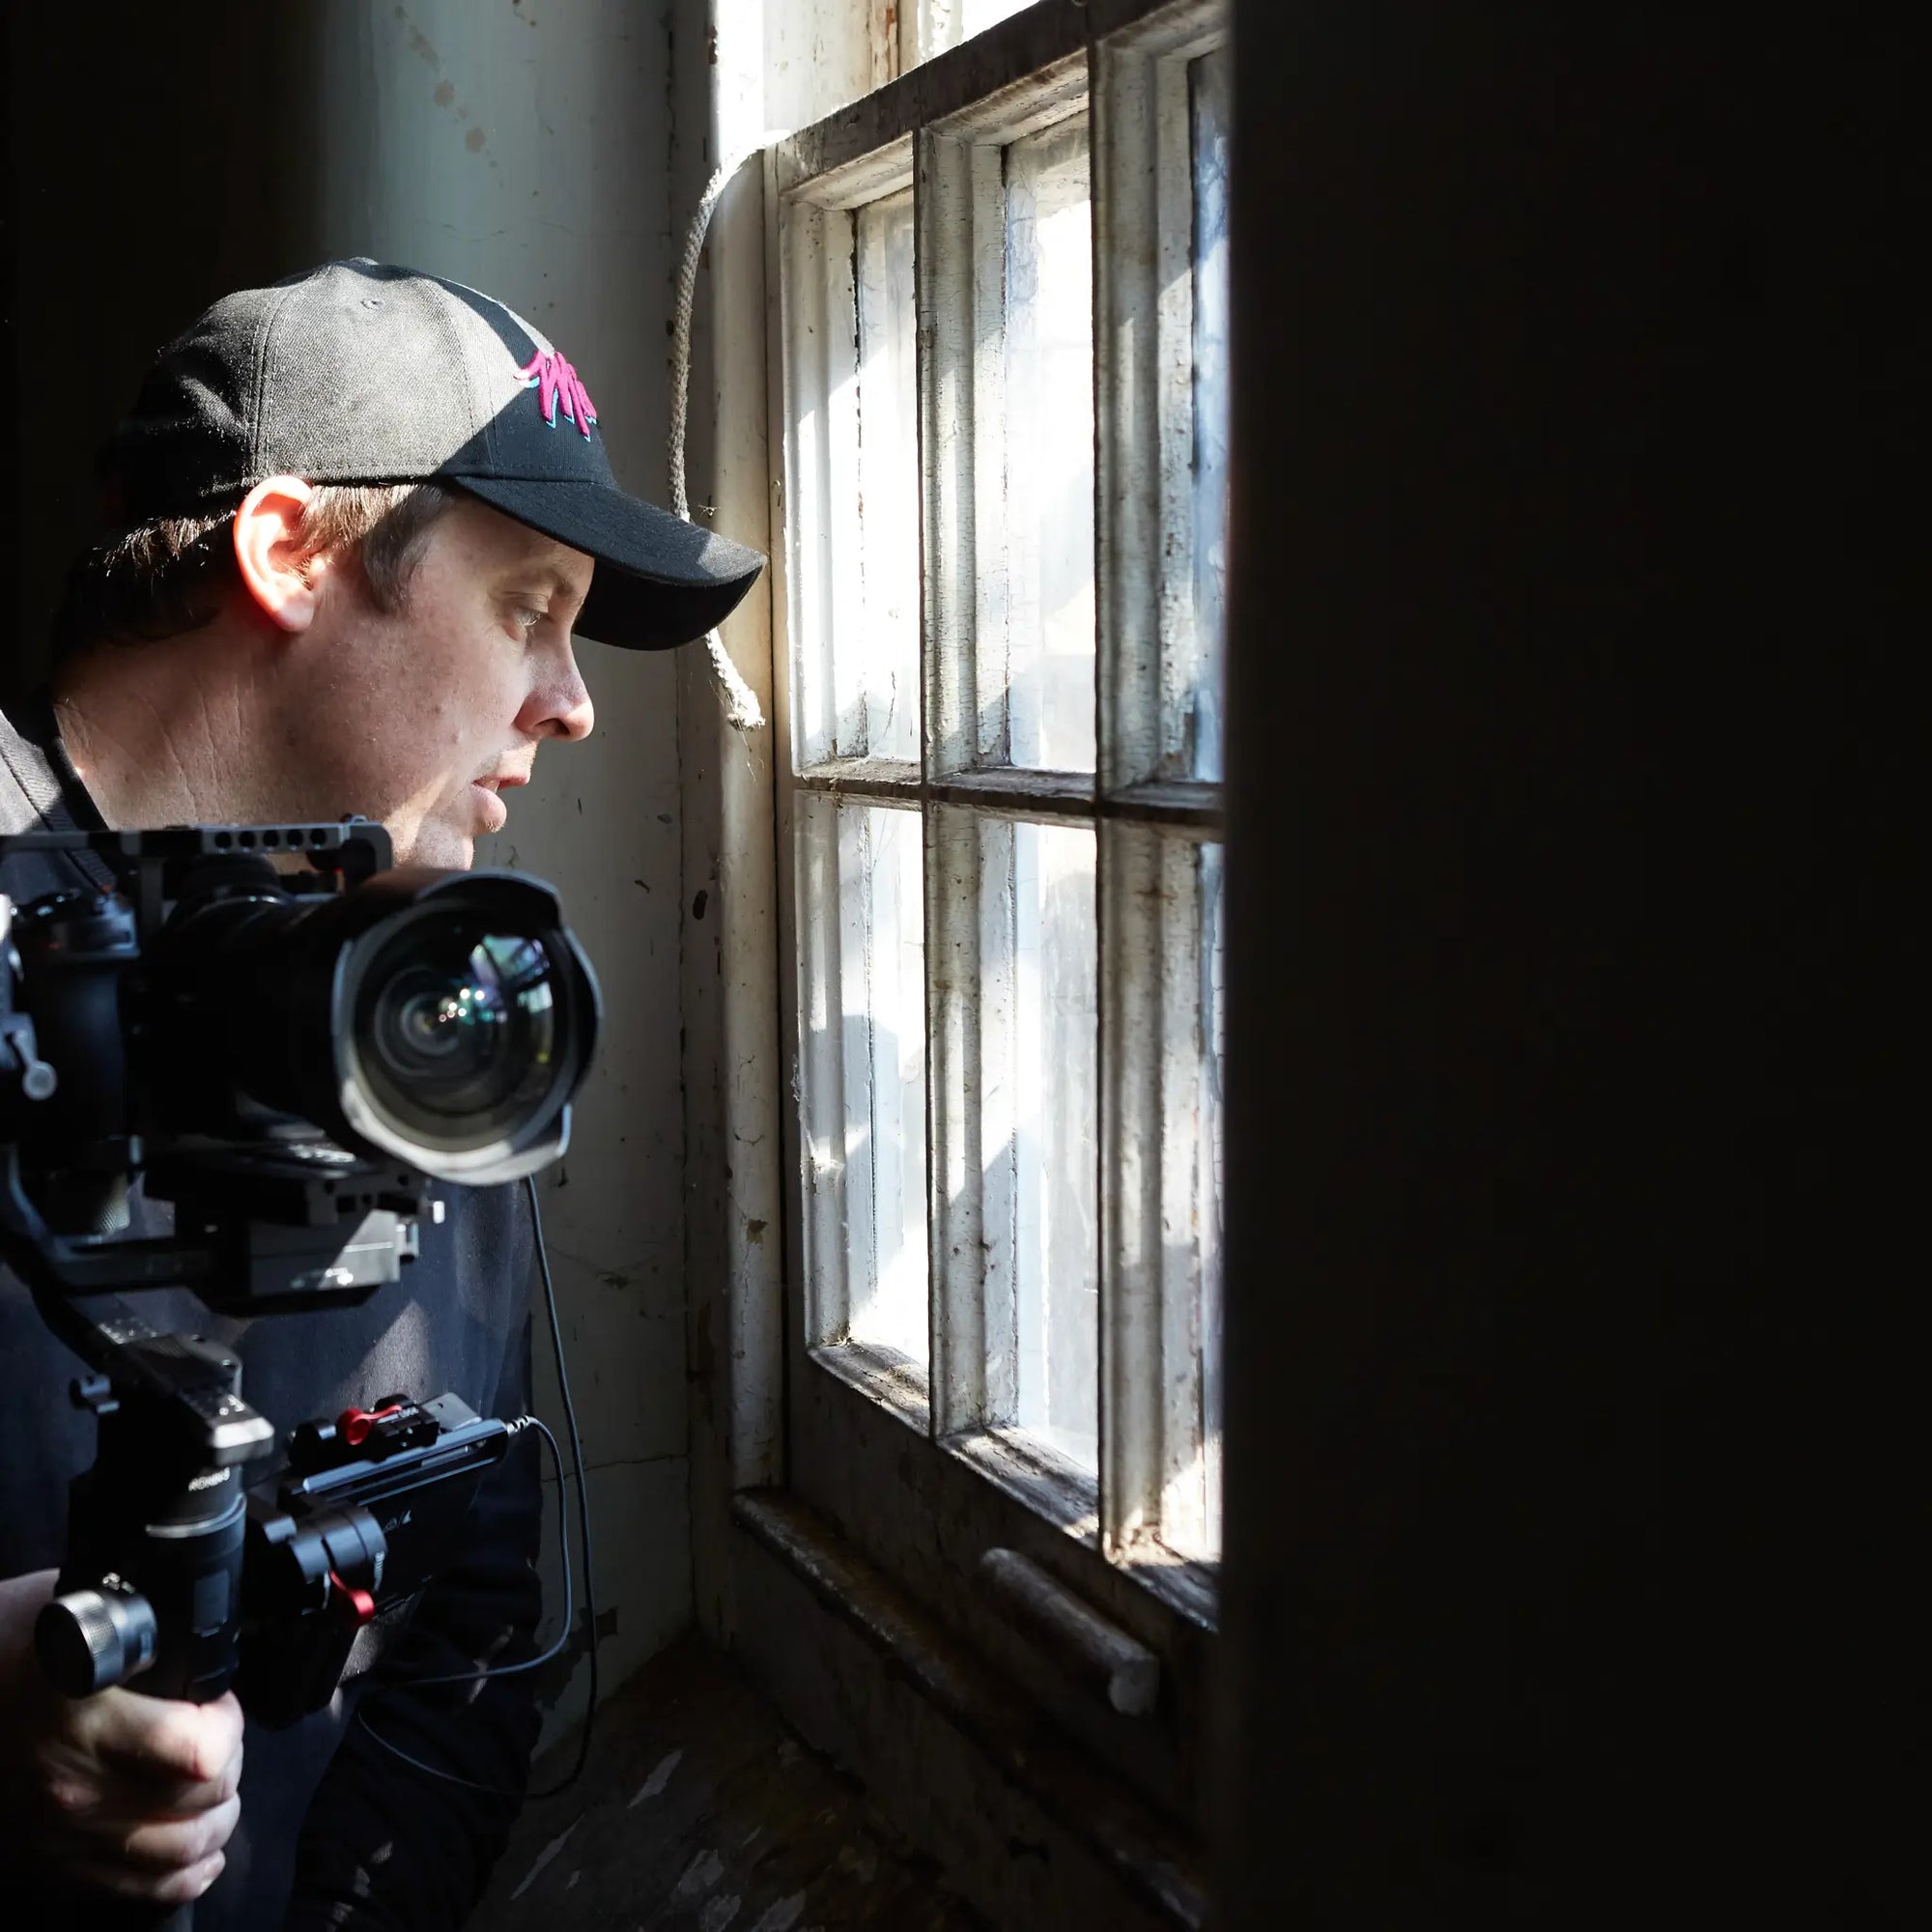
(561, 703)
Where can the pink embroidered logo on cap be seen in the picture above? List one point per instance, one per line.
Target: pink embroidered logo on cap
(554, 380)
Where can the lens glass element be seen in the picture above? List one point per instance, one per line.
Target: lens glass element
(456, 1031)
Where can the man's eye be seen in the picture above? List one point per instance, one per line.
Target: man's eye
(528, 618)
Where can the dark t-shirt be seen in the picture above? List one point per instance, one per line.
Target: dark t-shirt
(327, 1815)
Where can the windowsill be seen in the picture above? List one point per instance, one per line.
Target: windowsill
(1140, 1850)
(882, 1375)
(1053, 1486)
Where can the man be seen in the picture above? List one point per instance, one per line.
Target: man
(359, 516)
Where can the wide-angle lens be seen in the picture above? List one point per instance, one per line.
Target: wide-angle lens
(441, 1020)
(456, 1031)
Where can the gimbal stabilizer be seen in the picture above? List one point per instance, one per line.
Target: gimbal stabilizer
(290, 1059)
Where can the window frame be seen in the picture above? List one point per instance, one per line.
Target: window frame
(897, 1459)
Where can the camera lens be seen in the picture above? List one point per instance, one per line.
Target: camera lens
(456, 1031)
(442, 1020)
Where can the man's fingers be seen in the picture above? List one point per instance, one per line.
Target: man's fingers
(176, 1844)
(186, 1887)
(186, 1744)
(185, 1799)
(114, 1809)
(176, 1888)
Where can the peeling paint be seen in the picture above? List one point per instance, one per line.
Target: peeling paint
(699, 1876)
(661, 1773)
(544, 1856)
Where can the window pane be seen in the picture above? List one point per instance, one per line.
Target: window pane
(888, 479)
(1161, 1125)
(1208, 81)
(1193, 1508)
(1040, 1102)
(862, 1090)
(1162, 373)
(1049, 468)
(854, 466)
(935, 25)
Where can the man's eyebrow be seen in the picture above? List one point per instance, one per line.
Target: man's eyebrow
(553, 576)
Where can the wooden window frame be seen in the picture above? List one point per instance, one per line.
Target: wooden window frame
(895, 1456)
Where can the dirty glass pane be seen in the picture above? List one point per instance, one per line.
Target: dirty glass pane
(862, 1072)
(930, 27)
(888, 479)
(1193, 1516)
(1163, 1169)
(1208, 81)
(1039, 1025)
(1049, 457)
(854, 463)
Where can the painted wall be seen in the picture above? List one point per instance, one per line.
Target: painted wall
(741, 71)
(521, 146)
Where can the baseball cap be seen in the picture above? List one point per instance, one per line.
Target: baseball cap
(359, 372)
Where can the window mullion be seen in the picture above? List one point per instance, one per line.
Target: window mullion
(970, 1033)
(970, 1271)
(1128, 612)
(957, 355)
(1129, 1300)
(1128, 445)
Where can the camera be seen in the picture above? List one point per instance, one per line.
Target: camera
(294, 1042)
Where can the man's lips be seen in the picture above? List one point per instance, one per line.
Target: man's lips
(496, 813)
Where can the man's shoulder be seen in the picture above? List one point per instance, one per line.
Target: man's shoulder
(28, 785)
(30, 801)
(35, 797)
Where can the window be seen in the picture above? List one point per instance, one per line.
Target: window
(929, 27)
(1002, 337)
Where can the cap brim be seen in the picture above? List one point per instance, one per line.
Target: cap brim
(660, 582)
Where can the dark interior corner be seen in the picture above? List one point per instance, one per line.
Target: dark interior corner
(1567, 812)
(123, 223)
(1576, 385)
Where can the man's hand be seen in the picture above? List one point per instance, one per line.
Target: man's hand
(127, 1794)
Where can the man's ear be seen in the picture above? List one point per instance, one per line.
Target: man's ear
(284, 584)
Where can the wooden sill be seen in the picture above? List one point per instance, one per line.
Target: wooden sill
(1142, 1850)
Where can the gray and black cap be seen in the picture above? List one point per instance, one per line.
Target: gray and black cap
(357, 372)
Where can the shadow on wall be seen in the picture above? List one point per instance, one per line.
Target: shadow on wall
(115, 242)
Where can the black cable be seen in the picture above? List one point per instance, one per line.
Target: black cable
(583, 1486)
(562, 1639)
(583, 1536)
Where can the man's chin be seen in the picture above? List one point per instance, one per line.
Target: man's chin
(440, 847)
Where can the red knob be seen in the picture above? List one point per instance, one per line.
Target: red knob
(358, 1605)
(353, 1425)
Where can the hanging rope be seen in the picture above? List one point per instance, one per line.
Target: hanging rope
(741, 702)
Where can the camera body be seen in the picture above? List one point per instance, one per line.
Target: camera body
(292, 1058)
(214, 1004)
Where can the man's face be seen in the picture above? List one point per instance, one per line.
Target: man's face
(426, 717)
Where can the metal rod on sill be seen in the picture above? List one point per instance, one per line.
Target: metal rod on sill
(1074, 1634)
